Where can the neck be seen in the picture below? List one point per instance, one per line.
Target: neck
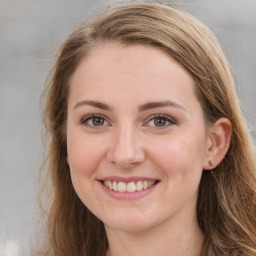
(175, 237)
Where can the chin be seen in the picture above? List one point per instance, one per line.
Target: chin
(129, 222)
(128, 227)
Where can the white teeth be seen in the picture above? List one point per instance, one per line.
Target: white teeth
(150, 183)
(128, 187)
(121, 187)
(139, 186)
(110, 185)
(115, 186)
(131, 187)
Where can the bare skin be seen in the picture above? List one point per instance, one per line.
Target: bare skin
(133, 118)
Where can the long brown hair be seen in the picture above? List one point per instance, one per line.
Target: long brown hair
(226, 208)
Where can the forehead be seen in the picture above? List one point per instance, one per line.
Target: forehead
(136, 70)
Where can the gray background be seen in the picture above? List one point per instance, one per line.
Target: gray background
(29, 33)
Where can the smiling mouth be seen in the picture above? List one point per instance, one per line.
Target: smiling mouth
(130, 187)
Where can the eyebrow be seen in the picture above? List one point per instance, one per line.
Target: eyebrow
(141, 108)
(93, 103)
(160, 104)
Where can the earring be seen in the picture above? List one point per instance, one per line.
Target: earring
(211, 163)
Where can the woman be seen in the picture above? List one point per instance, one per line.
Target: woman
(149, 152)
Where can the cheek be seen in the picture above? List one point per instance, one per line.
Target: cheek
(84, 155)
(179, 156)
(180, 164)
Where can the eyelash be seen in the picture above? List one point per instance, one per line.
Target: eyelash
(165, 118)
(85, 120)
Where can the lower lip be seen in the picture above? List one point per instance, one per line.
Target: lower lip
(127, 195)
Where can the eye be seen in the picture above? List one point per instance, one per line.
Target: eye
(95, 121)
(160, 121)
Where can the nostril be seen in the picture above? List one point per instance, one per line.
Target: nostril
(125, 165)
(126, 150)
(125, 158)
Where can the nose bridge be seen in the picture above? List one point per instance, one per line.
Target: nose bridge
(126, 150)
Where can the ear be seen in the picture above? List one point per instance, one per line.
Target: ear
(218, 142)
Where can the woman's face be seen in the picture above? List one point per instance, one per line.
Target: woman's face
(136, 137)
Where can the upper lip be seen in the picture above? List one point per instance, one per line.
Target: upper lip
(127, 179)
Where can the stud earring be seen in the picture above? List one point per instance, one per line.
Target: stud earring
(211, 163)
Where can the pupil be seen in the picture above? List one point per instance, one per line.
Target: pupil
(160, 122)
(97, 121)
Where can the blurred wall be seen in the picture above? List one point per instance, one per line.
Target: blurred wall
(29, 32)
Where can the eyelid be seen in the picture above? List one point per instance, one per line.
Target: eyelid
(86, 118)
(169, 119)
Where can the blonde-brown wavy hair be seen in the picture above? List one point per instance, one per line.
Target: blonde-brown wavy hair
(226, 208)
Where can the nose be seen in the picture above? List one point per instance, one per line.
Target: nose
(126, 150)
